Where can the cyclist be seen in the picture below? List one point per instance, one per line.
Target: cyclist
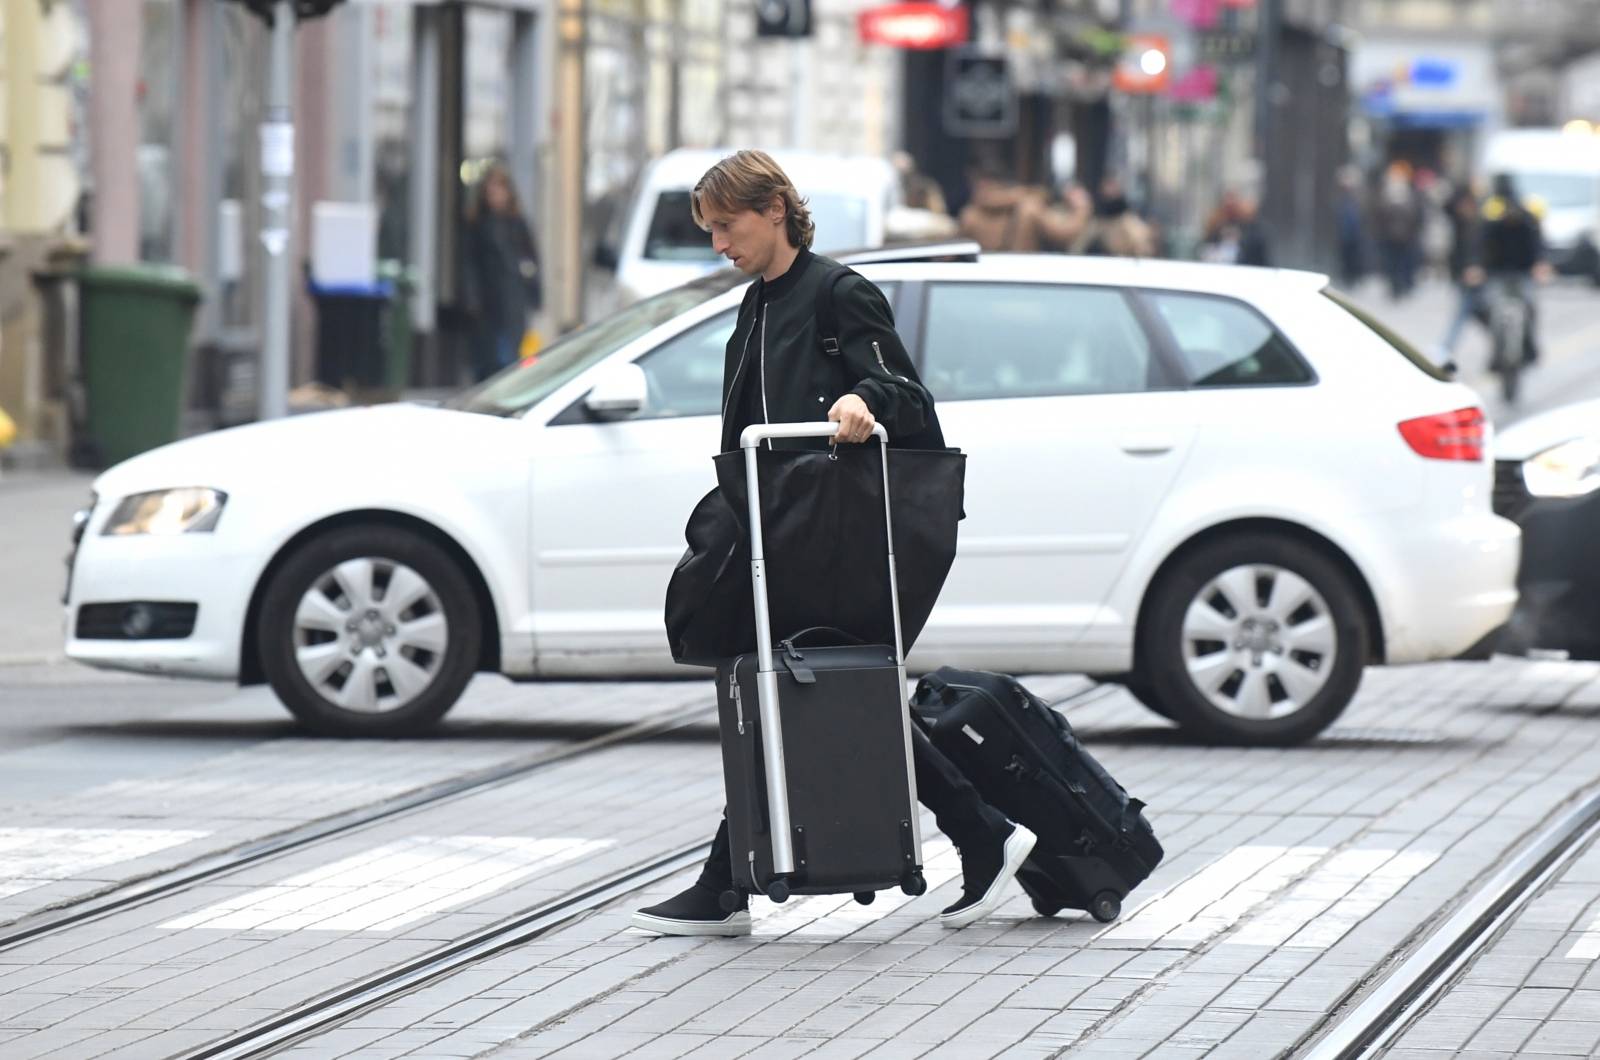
(1512, 252)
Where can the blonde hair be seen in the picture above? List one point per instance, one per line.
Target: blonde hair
(750, 180)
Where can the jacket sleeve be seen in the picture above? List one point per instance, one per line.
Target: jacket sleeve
(877, 359)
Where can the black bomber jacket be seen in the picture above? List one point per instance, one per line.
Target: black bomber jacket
(775, 348)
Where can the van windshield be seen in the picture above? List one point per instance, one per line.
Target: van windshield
(523, 385)
(1560, 191)
(841, 221)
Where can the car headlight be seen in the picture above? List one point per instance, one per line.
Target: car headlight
(192, 509)
(1570, 469)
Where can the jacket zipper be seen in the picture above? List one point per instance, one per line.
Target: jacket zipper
(743, 355)
(879, 351)
(764, 416)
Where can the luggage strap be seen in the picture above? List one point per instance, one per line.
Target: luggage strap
(795, 661)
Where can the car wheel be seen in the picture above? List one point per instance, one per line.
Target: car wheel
(369, 631)
(1253, 640)
(1140, 689)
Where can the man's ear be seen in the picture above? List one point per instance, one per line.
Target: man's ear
(776, 210)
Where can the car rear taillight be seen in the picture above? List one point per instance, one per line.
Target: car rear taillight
(1454, 435)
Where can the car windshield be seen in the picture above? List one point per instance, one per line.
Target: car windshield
(1423, 362)
(841, 221)
(521, 386)
(1560, 191)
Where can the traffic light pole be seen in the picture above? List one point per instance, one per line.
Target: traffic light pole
(277, 224)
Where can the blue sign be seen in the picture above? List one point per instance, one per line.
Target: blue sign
(1433, 73)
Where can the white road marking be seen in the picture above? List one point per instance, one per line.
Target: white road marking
(1335, 897)
(390, 886)
(33, 857)
(1587, 948)
(1211, 900)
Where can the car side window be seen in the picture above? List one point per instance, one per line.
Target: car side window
(1001, 340)
(685, 372)
(1223, 342)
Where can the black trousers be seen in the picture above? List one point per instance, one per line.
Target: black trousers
(961, 814)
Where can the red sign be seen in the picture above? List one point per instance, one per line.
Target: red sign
(914, 25)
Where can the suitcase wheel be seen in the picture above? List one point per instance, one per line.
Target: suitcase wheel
(729, 900)
(1044, 908)
(914, 884)
(778, 891)
(1106, 907)
(865, 897)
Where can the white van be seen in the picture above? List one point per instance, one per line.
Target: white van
(1562, 171)
(850, 197)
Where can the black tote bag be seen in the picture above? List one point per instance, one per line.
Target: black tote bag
(825, 544)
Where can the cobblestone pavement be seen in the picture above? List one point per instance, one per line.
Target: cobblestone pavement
(1292, 878)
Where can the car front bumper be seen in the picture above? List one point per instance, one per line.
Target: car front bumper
(1559, 609)
(197, 569)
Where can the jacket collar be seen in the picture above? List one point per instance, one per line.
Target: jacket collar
(786, 283)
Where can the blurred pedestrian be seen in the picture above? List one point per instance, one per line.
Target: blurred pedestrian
(1465, 263)
(1116, 230)
(1062, 224)
(1350, 227)
(1002, 215)
(502, 288)
(917, 190)
(1234, 234)
(1397, 218)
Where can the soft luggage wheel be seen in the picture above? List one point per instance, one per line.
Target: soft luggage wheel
(914, 884)
(1044, 908)
(729, 901)
(1105, 907)
(778, 891)
(865, 897)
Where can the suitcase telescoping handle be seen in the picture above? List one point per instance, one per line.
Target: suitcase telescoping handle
(766, 676)
(750, 441)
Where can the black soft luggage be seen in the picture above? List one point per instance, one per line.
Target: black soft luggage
(816, 745)
(1095, 844)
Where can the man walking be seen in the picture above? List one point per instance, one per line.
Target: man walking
(776, 371)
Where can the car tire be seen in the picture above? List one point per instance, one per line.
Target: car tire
(1141, 691)
(1252, 640)
(369, 631)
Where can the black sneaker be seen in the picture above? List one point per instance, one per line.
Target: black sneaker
(697, 911)
(985, 874)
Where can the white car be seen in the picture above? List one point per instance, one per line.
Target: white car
(1219, 485)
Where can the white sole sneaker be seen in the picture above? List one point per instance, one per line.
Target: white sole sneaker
(1019, 844)
(734, 925)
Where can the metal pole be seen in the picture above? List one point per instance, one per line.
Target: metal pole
(277, 200)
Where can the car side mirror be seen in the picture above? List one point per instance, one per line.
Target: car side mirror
(620, 390)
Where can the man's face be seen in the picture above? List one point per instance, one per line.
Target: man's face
(747, 238)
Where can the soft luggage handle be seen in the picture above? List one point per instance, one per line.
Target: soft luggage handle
(750, 439)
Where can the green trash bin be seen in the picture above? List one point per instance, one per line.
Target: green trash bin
(133, 344)
(399, 338)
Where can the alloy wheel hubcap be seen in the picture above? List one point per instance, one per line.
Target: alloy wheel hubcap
(1259, 641)
(370, 635)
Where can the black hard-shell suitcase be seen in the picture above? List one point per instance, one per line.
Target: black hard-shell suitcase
(1095, 844)
(816, 747)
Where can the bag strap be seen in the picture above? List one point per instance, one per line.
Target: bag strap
(827, 318)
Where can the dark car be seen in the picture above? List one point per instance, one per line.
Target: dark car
(1547, 479)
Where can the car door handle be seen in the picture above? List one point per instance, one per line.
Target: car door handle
(1146, 444)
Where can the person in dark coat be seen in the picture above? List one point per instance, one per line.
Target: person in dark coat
(502, 284)
(776, 372)
(1466, 266)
